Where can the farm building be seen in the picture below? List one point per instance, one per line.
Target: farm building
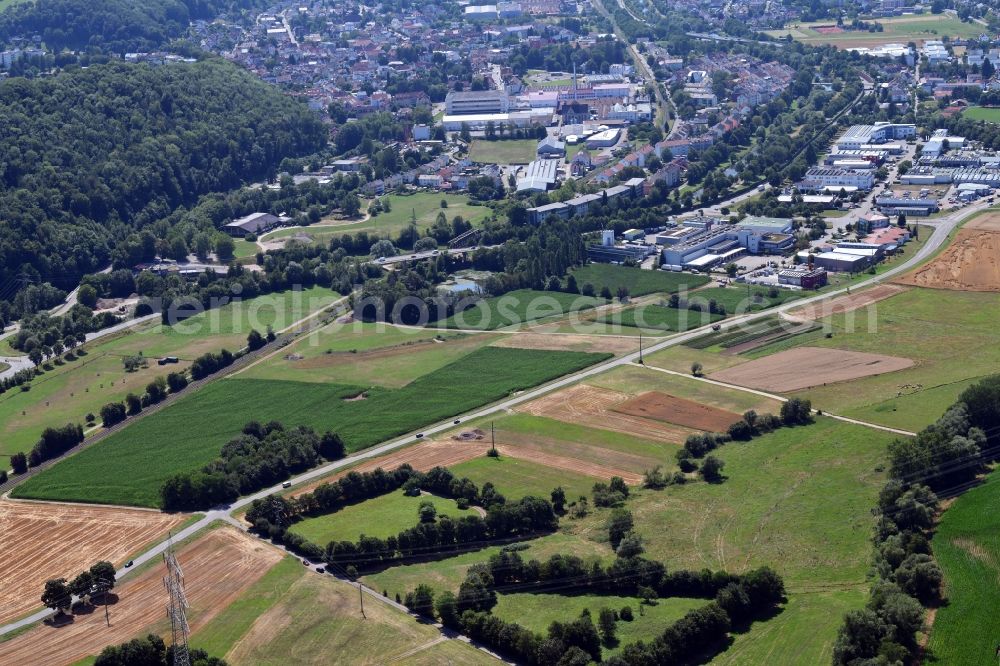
(255, 223)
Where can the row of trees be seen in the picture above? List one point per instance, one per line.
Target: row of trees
(944, 458)
(261, 456)
(737, 600)
(98, 580)
(156, 391)
(503, 521)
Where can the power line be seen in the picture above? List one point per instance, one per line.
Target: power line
(177, 608)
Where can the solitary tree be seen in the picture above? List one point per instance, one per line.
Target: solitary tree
(558, 499)
(696, 369)
(711, 469)
(606, 623)
(428, 514)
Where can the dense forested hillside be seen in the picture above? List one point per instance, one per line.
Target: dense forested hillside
(92, 155)
(114, 26)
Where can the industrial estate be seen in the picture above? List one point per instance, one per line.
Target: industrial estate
(541, 332)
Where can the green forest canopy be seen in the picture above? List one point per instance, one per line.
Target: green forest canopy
(93, 155)
(110, 26)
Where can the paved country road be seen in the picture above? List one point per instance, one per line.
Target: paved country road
(942, 229)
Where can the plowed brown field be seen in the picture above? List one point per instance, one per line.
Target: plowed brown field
(970, 263)
(422, 457)
(808, 366)
(846, 303)
(592, 406)
(217, 568)
(39, 541)
(663, 407)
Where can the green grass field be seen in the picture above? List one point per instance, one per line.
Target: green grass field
(518, 307)
(367, 354)
(741, 299)
(67, 392)
(989, 114)
(314, 619)
(448, 573)
(632, 379)
(403, 207)
(519, 478)
(380, 517)
(895, 29)
(660, 318)
(967, 546)
(639, 282)
(940, 330)
(191, 432)
(225, 629)
(515, 151)
(797, 500)
(244, 248)
(581, 442)
(538, 611)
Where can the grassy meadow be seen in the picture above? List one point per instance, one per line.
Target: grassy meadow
(190, 433)
(71, 389)
(512, 151)
(381, 517)
(915, 28)
(967, 547)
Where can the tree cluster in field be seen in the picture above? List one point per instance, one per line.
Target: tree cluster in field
(712, 307)
(944, 457)
(151, 651)
(211, 362)
(737, 601)
(794, 412)
(51, 335)
(98, 580)
(505, 520)
(20, 378)
(54, 442)
(100, 152)
(261, 456)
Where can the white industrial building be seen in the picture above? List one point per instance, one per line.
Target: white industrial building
(827, 179)
(476, 102)
(539, 176)
(859, 136)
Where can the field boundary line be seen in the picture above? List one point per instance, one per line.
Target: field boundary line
(780, 398)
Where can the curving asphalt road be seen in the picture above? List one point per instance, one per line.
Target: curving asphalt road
(943, 228)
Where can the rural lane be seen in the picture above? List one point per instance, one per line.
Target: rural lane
(942, 229)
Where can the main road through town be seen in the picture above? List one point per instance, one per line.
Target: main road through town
(943, 227)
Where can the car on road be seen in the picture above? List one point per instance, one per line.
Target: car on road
(320, 569)
(286, 484)
(420, 435)
(457, 421)
(129, 563)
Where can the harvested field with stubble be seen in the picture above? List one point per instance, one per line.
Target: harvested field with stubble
(218, 567)
(664, 407)
(592, 406)
(67, 539)
(970, 263)
(804, 367)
